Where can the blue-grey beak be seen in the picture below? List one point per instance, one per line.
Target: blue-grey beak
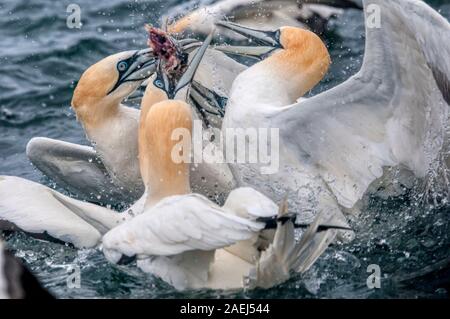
(266, 41)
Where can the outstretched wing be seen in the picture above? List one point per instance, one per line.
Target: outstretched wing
(175, 225)
(393, 112)
(75, 168)
(42, 212)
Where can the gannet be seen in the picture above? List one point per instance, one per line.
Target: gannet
(333, 146)
(16, 281)
(189, 241)
(108, 172)
(265, 14)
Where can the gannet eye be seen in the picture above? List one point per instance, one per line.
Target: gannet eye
(122, 66)
(158, 83)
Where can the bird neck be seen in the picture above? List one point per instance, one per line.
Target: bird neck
(152, 96)
(95, 112)
(91, 101)
(296, 70)
(163, 169)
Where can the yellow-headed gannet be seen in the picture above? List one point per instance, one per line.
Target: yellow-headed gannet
(333, 146)
(109, 170)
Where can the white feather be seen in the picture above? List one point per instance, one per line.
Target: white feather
(178, 224)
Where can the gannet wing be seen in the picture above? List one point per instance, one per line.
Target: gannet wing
(75, 168)
(274, 14)
(40, 211)
(393, 112)
(176, 225)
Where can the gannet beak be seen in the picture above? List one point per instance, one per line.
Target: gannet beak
(207, 102)
(189, 45)
(210, 101)
(267, 41)
(140, 65)
(189, 74)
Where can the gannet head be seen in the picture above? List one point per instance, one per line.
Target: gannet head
(106, 83)
(270, 42)
(297, 56)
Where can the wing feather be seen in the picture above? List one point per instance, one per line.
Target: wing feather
(34, 209)
(179, 224)
(76, 168)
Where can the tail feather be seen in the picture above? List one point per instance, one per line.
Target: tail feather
(307, 254)
(314, 241)
(272, 268)
(285, 255)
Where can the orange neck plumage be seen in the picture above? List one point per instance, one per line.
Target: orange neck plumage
(162, 175)
(302, 64)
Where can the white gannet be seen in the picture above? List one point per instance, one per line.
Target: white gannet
(16, 281)
(261, 14)
(189, 241)
(333, 146)
(108, 172)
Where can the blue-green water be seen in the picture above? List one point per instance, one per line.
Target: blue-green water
(41, 60)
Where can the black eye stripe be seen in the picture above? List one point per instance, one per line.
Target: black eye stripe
(128, 62)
